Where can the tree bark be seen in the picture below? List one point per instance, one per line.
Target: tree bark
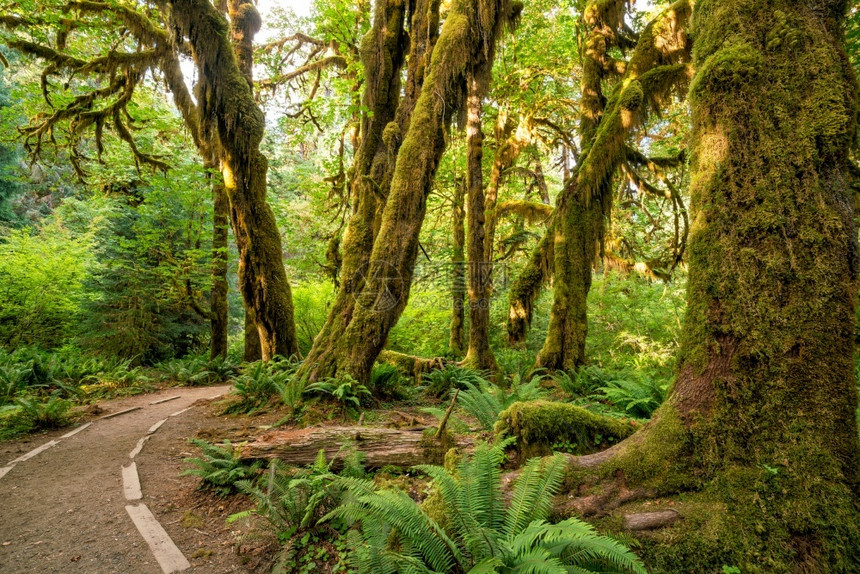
(526, 289)
(761, 421)
(479, 355)
(252, 350)
(383, 53)
(456, 341)
(225, 97)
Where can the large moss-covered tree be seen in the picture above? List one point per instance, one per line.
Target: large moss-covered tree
(113, 47)
(759, 430)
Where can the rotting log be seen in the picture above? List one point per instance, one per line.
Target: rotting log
(381, 446)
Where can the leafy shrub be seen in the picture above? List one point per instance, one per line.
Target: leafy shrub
(30, 413)
(638, 398)
(259, 383)
(197, 369)
(41, 285)
(219, 467)
(485, 400)
(441, 381)
(476, 531)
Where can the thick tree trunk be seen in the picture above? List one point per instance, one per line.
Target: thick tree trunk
(383, 53)
(480, 355)
(225, 98)
(219, 308)
(381, 446)
(762, 417)
(466, 36)
(456, 341)
(575, 240)
(655, 70)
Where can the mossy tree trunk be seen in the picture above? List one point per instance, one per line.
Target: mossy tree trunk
(226, 102)
(526, 289)
(383, 51)
(762, 417)
(479, 354)
(653, 72)
(456, 341)
(469, 32)
(218, 307)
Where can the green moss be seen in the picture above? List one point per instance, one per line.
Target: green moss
(538, 425)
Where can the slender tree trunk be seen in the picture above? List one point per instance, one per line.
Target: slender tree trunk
(479, 355)
(762, 417)
(225, 96)
(219, 308)
(527, 287)
(456, 342)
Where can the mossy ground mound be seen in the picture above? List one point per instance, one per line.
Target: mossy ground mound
(541, 427)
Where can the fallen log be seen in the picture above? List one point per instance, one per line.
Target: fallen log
(381, 446)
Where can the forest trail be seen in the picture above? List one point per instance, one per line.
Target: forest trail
(64, 508)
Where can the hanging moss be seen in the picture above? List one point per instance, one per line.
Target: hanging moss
(541, 427)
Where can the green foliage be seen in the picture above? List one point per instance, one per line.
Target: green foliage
(197, 369)
(386, 382)
(219, 467)
(344, 390)
(481, 534)
(31, 413)
(485, 400)
(146, 287)
(293, 502)
(41, 278)
(539, 426)
(260, 382)
(440, 381)
(637, 397)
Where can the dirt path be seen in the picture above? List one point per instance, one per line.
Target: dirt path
(64, 509)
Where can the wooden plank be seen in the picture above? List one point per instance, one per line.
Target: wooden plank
(159, 401)
(139, 447)
(77, 430)
(33, 452)
(169, 557)
(131, 482)
(118, 413)
(156, 426)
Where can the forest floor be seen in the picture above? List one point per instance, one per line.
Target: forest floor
(64, 509)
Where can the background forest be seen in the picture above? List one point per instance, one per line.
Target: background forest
(114, 252)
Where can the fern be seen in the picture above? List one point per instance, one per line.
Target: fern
(483, 534)
(485, 400)
(219, 468)
(32, 413)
